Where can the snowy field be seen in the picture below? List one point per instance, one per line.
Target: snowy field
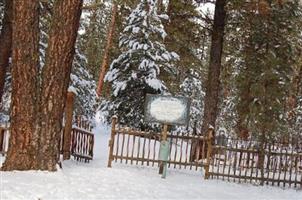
(82, 181)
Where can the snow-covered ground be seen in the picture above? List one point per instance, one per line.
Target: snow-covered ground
(82, 181)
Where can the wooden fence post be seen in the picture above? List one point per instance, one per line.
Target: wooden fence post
(68, 125)
(209, 140)
(111, 141)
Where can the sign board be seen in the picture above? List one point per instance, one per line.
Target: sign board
(167, 109)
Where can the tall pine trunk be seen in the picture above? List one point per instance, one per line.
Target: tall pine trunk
(107, 49)
(213, 82)
(22, 154)
(5, 43)
(56, 77)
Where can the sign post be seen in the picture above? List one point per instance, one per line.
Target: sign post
(167, 110)
(164, 152)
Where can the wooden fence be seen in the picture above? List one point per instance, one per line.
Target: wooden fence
(82, 140)
(142, 148)
(221, 157)
(76, 139)
(245, 161)
(80, 145)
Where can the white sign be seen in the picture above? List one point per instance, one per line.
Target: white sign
(167, 109)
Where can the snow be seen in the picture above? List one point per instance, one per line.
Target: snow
(119, 86)
(164, 109)
(155, 83)
(207, 9)
(72, 89)
(77, 181)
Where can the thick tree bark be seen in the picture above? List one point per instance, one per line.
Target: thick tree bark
(56, 77)
(22, 154)
(5, 43)
(107, 49)
(213, 82)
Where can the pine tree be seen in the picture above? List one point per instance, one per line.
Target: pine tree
(135, 72)
(93, 40)
(267, 54)
(45, 14)
(5, 43)
(1, 12)
(38, 98)
(215, 66)
(125, 7)
(189, 45)
(83, 84)
(192, 88)
(23, 146)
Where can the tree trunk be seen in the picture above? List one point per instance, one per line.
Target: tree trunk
(68, 125)
(107, 49)
(213, 82)
(22, 153)
(56, 77)
(5, 43)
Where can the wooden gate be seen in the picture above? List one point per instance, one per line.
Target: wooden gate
(82, 140)
(245, 161)
(142, 148)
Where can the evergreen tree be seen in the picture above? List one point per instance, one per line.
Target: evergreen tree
(191, 87)
(82, 82)
(93, 41)
(38, 98)
(83, 85)
(1, 13)
(189, 45)
(5, 43)
(215, 67)
(135, 72)
(267, 54)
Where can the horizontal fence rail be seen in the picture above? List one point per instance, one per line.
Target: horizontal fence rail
(245, 161)
(142, 148)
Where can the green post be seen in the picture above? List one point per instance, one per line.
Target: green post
(164, 155)
(165, 170)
